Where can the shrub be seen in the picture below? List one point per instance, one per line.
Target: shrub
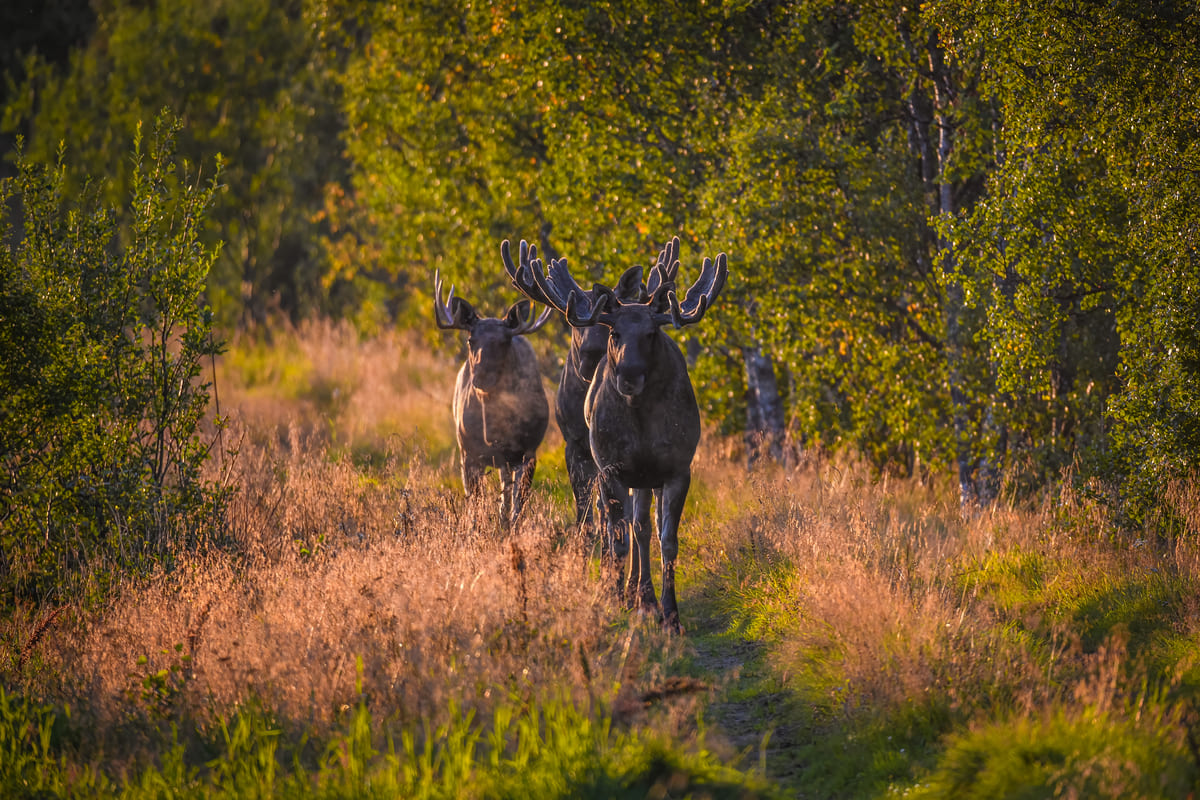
(103, 339)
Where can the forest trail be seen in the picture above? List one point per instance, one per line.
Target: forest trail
(750, 707)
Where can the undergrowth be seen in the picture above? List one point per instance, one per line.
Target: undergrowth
(910, 650)
(360, 629)
(547, 748)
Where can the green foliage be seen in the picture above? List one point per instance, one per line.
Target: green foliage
(444, 147)
(829, 216)
(250, 81)
(31, 747)
(1096, 754)
(569, 126)
(104, 341)
(963, 233)
(1083, 255)
(27, 764)
(533, 749)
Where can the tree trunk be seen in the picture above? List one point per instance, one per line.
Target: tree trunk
(977, 473)
(765, 427)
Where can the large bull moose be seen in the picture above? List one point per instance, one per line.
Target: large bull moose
(588, 347)
(643, 420)
(500, 409)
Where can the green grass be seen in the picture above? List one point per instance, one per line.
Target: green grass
(278, 368)
(827, 744)
(1131, 753)
(548, 749)
(1106, 656)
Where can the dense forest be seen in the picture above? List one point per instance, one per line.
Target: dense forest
(961, 236)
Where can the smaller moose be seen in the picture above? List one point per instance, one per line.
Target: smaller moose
(500, 409)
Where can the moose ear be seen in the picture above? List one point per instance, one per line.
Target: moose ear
(606, 296)
(517, 314)
(629, 287)
(462, 314)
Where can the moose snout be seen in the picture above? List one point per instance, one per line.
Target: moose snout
(484, 378)
(631, 387)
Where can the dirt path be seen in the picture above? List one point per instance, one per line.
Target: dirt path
(750, 706)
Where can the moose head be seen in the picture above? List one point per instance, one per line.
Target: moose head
(489, 339)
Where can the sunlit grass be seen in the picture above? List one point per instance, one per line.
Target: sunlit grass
(369, 398)
(362, 629)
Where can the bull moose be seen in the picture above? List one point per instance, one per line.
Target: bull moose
(588, 347)
(500, 409)
(641, 411)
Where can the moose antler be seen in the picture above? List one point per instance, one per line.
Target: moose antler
(521, 274)
(665, 268)
(699, 297)
(528, 324)
(662, 276)
(581, 307)
(450, 315)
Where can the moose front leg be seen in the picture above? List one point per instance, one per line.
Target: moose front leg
(522, 484)
(472, 476)
(674, 495)
(581, 469)
(507, 484)
(615, 542)
(641, 585)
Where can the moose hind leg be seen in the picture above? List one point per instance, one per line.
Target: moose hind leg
(641, 584)
(671, 510)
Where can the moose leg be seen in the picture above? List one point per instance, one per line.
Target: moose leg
(472, 476)
(639, 569)
(507, 495)
(582, 471)
(615, 544)
(670, 511)
(523, 484)
(614, 541)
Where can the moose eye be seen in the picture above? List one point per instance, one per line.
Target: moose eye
(614, 337)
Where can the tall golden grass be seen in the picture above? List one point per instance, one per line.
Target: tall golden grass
(352, 568)
(350, 564)
(878, 595)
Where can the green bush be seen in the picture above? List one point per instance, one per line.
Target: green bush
(103, 343)
(1101, 754)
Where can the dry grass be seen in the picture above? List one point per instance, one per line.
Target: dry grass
(352, 568)
(880, 595)
(347, 585)
(386, 393)
(343, 576)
